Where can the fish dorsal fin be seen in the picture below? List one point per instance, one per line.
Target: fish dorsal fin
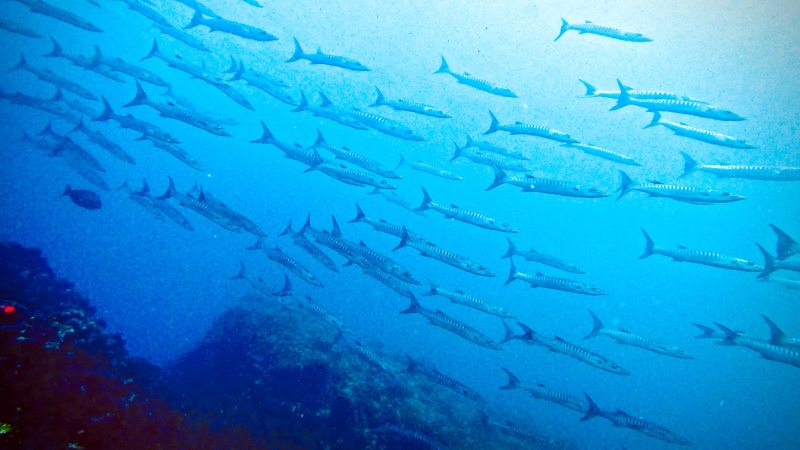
(539, 274)
(588, 21)
(202, 196)
(529, 176)
(656, 182)
(459, 291)
(517, 123)
(467, 74)
(453, 205)
(362, 243)
(624, 330)
(382, 221)
(540, 385)
(683, 247)
(559, 339)
(319, 50)
(170, 103)
(683, 123)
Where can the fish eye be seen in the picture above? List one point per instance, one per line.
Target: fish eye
(482, 268)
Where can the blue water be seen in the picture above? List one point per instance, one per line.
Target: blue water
(161, 286)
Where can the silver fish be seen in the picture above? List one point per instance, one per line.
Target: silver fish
(675, 106)
(699, 134)
(588, 27)
(681, 193)
(627, 338)
(463, 215)
(405, 105)
(683, 254)
(445, 322)
(542, 258)
(768, 173)
(469, 80)
(325, 59)
(540, 280)
(620, 418)
(528, 129)
(460, 297)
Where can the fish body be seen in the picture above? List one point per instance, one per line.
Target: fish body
(386, 227)
(391, 196)
(438, 377)
(460, 297)
(159, 208)
(699, 134)
(469, 80)
(539, 280)
(683, 254)
(529, 130)
(84, 62)
(264, 288)
(46, 9)
(173, 111)
(542, 392)
(197, 6)
(146, 11)
(627, 338)
(280, 257)
(620, 418)
(16, 28)
(445, 322)
(681, 193)
(268, 85)
(181, 36)
(349, 175)
(592, 91)
(778, 337)
(780, 353)
(588, 27)
(488, 159)
(530, 183)
(325, 59)
(179, 63)
(767, 173)
(676, 106)
(128, 121)
(559, 345)
(604, 153)
(345, 154)
(84, 198)
(423, 166)
(230, 27)
(303, 242)
(405, 105)
(102, 141)
(384, 125)
(56, 80)
(431, 250)
(387, 279)
(46, 105)
(463, 215)
(496, 149)
(330, 113)
(295, 152)
(176, 152)
(542, 258)
(117, 64)
(335, 243)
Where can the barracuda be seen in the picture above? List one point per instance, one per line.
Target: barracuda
(48, 76)
(230, 27)
(543, 258)
(405, 105)
(779, 353)
(460, 297)
(591, 91)
(469, 80)
(128, 121)
(280, 257)
(102, 141)
(386, 227)
(463, 215)
(687, 194)
(529, 130)
(627, 338)
(325, 59)
(415, 366)
(268, 85)
(542, 392)
(345, 154)
(329, 112)
(422, 166)
(588, 27)
(445, 322)
(676, 106)
(699, 134)
(539, 280)
(84, 62)
(771, 264)
(496, 149)
(530, 183)
(431, 250)
(347, 174)
(683, 254)
(488, 159)
(620, 418)
(603, 153)
(295, 152)
(559, 345)
(46, 9)
(303, 242)
(117, 64)
(767, 173)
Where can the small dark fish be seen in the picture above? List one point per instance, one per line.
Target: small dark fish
(83, 198)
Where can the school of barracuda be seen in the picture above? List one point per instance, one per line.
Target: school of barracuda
(83, 109)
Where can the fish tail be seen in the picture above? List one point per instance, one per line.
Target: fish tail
(286, 290)
(456, 152)
(306, 225)
(414, 307)
(401, 162)
(512, 272)
(730, 335)
(432, 291)
(335, 230)
(266, 136)
(648, 245)
(298, 52)
(197, 19)
(241, 274)
(237, 74)
(508, 333)
(81, 126)
(170, 192)
(512, 249)
(287, 230)
(259, 245)
(303, 105)
(564, 28)
(359, 215)
(320, 142)
(67, 190)
(707, 332)
(234, 67)
(689, 164)
(655, 120)
(626, 184)
(769, 262)
(597, 326)
(153, 50)
(56, 51)
(58, 96)
(785, 243)
(145, 187)
(499, 178)
(412, 363)
(527, 332)
(592, 410)
(591, 91)
(624, 98)
(324, 100)
(380, 99)
(513, 381)
(97, 58)
(403, 239)
(443, 67)
(22, 63)
(426, 201)
(494, 126)
(140, 98)
(776, 335)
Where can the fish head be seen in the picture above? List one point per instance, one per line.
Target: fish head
(614, 368)
(594, 290)
(745, 265)
(385, 184)
(637, 37)
(507, 227)
(724, 114)
(220, 131)
(478, 269)
(728, 197)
